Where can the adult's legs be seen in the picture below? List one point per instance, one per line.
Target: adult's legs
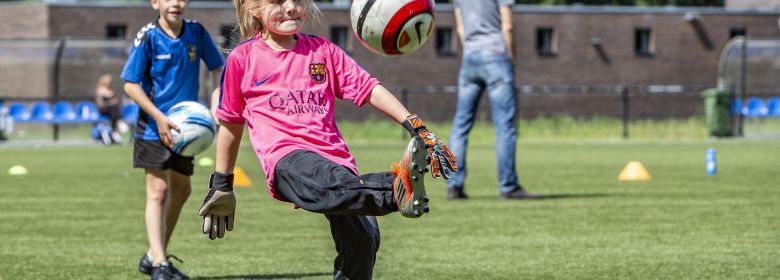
(500, 76)
(357, 241)
(319, 185)
(469, 91)
(156, 192)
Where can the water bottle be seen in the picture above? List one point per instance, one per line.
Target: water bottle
(712, 164)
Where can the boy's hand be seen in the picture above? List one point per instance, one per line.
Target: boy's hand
(219, 206)
(442, 160)
(164, 127)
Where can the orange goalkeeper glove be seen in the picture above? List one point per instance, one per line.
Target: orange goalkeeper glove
(441, 159)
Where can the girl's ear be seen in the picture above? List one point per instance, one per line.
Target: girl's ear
(154, 4)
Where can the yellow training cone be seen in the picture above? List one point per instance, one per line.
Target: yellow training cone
(240, 179)
(205, 161)
(634, 171)
(17, 170)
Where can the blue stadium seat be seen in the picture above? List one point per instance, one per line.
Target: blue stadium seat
(755, 108)
(19, 112)
(41, 112)
(87, 111)
(773, 106)
(736, 106)
(63, 112)
(130, 113)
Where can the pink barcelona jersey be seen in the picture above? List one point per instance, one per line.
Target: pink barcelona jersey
(286, 98)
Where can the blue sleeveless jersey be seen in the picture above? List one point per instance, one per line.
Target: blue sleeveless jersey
(168, 69)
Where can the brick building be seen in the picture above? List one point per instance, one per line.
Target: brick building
(558, 48)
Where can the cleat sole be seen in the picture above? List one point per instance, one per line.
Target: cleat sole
(419, 154)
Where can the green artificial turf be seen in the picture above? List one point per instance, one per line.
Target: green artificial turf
(78, 214)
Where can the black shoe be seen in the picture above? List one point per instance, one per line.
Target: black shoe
(145, 267)
(163, 271)
(519, 193)
(456, 193)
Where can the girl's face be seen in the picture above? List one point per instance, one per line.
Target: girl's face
(283, 17)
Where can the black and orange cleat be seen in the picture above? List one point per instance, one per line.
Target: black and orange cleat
(409, 184)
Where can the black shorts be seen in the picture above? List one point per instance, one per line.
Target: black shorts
(152, 154)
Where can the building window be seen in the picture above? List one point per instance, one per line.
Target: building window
(644, 45)
(229, 37)
(545, 41)
(444, 45)
(734, 32)
(116, 31)
(339, 35)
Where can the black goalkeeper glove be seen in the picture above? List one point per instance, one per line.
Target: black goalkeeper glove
(219, 206)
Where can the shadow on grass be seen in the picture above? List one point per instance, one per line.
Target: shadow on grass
(266, 276)
(549, 196)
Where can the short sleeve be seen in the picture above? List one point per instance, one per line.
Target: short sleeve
(457, 3)
(210, 54)
(231, 98)
(506, 2)
(137, 61)
(353, 82)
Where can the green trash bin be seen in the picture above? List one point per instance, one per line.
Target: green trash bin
(717, 111)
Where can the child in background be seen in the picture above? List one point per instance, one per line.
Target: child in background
(162, 70)
(283, 85)
(108, 104)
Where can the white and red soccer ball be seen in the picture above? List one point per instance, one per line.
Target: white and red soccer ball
(392, 27)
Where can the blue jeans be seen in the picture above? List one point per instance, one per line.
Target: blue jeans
(491, 70)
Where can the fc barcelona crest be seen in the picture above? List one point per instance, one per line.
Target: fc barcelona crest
(318, 73)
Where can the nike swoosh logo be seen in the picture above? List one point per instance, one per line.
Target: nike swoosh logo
(417, 28)
(258, 83)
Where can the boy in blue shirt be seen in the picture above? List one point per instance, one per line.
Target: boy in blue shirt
(162, 70)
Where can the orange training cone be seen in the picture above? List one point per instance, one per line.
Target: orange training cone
(240, 179)
(634, 171)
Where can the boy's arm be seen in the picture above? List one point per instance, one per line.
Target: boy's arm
(164, 125)
(216, 75)
(441, 159)
(219, 206)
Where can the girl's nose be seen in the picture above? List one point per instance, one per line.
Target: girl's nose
(290, 7)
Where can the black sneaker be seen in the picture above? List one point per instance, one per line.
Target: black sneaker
(145, 267)
(163, 271)
(519, 193)
(456, 193)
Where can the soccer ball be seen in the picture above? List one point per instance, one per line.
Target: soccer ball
(196, 128)
(392, 27)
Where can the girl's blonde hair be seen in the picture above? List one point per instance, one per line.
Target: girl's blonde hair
(249, 26)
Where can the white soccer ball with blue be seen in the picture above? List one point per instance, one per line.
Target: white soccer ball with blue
(197, 129)
(392, 27)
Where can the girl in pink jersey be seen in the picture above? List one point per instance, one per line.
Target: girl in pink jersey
(283, 85)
